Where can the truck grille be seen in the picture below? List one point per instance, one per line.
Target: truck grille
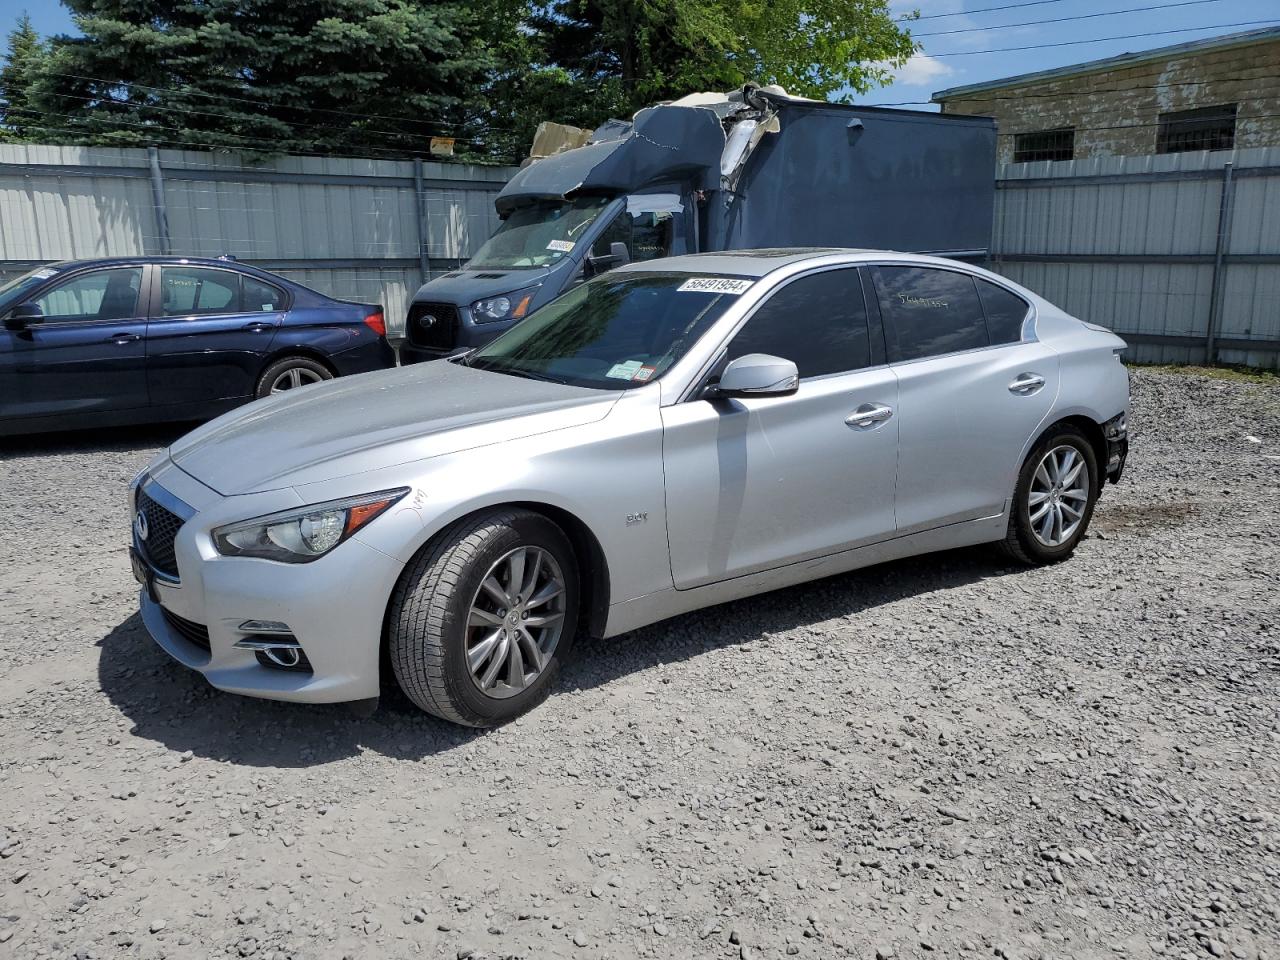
(196, 634)
(162, 528)
(440, 333)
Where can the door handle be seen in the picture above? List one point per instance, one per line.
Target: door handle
(1026, 383)
(868, 415)
(123, 338)
(257, 327)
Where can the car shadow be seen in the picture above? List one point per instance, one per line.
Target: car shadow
(176, 707)
(99, 440)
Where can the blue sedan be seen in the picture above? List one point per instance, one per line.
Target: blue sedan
(93, 343)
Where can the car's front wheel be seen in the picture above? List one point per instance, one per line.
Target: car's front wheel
(483, 617)
(1054, 499)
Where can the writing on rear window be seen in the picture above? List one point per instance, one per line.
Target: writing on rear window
(714, 285)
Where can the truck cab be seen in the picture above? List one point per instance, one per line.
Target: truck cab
(542, 248)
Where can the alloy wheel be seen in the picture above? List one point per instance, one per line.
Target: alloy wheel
(515, 621)
(293, 378)
(1059, 495)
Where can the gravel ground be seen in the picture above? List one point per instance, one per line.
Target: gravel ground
(943, 756)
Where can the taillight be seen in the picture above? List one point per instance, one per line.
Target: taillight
(376, 323)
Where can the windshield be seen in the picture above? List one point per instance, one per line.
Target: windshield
(15, 290)
(538, 235)
(615, 332)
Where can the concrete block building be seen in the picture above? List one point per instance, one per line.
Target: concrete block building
(1215, 94)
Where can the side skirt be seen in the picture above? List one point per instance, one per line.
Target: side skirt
(654, 607)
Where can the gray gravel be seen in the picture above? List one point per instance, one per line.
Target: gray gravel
(944, 756)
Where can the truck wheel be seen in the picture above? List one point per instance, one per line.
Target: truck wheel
(1054, 499)
(289, 374)
(483, 617)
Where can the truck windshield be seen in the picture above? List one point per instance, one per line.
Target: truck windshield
(538, 235)
(12, 292)
(615, 332)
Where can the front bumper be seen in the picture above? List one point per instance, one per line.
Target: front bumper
(333, 606)
(1116, 433)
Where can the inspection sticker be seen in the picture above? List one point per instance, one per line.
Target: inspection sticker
(560, 246)
(625, 371)
(644, 373)
(714, 285)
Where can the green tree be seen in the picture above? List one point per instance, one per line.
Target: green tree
(369, 77)
(23, 55)
(592, 59)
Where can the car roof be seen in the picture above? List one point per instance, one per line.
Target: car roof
(144, 258)
(759, 263)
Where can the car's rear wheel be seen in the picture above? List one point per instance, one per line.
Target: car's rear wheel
(1054, 499)
(289, 374)
(483, 617)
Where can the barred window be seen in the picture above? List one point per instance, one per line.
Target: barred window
(1206, 128)
(1045, 145)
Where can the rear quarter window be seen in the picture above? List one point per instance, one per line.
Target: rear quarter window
(1006, 312)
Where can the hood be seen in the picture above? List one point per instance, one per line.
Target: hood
(464, 287)
(356, 424)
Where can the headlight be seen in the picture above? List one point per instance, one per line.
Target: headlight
(304, 533)
(509, 306)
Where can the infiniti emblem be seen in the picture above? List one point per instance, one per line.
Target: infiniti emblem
(428, 320)
(140, 525)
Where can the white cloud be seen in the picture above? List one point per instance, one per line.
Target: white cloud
(921, 70)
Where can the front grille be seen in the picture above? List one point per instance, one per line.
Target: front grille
(197, 634)
(162, 528)
(440, 333)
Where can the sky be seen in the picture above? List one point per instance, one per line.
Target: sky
(936, 68)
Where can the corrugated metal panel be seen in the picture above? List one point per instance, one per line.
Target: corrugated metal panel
(1149, 228)
(289, 209)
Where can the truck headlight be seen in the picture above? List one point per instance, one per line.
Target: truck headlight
(509, 306)
(302, 534)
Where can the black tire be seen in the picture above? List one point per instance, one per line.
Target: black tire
(311, 370)
(428, 615)
(1021, 542)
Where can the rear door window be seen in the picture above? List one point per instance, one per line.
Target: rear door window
(1005, 311)
(193, 291)
(818, 322)
(928, 312)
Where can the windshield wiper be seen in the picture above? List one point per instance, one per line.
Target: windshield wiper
(479, 363)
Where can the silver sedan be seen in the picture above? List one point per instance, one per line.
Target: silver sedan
(666, 436)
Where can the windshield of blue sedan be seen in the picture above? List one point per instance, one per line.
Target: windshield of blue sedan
(13, 292)
(538, 235)
(618, 331)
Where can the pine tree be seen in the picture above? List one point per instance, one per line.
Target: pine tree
(23, 55)
(362, 77)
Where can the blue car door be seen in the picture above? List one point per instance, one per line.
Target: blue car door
(85, 352)
(209, 333)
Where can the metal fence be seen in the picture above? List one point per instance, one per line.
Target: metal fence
(368, 230)
(1179, 254)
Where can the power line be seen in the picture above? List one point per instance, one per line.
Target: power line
(966, 13)
(1081, 16)
(1086, 93)
(1126, 36)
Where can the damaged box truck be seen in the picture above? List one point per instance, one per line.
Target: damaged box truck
(750, 169)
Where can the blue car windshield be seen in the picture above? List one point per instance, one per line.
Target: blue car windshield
(618, 331)
(538, 235)
(13, 292)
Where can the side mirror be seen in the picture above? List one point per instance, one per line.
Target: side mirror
(20, 317)
(617, 256)
(757, 375)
